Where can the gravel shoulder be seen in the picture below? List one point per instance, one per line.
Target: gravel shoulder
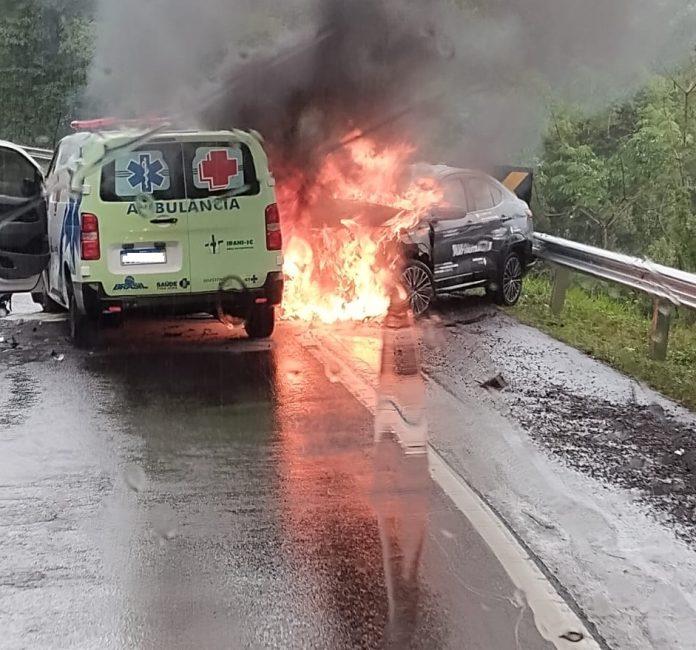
(591, 417)
(593, 470)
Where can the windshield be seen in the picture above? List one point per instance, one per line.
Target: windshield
(361, 324)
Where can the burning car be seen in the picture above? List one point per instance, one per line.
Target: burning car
(481, 236)
(370, 219)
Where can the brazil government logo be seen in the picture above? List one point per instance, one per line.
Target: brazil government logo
(129, 284)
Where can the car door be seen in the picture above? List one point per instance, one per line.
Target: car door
(486, 235)
(58, 200)
(464, 242)
(445, 225)
(23, 238)
(454, 236)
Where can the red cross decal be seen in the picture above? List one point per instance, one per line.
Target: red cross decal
(217, 169)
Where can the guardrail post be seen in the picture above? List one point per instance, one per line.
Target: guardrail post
(561, 282)
(659, 332)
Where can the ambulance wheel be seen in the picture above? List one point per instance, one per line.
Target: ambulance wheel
(84, 330)
(261, 322)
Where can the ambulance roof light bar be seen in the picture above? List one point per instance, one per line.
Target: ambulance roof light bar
(106, 123)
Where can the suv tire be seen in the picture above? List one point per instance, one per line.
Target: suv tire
(261, 322)
(508, 283)
(418, 281)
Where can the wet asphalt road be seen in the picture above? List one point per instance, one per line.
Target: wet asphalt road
(181, 489)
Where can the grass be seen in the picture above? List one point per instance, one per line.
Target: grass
(614, 329)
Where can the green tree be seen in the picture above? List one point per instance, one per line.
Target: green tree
(624, 179)
(45, 50)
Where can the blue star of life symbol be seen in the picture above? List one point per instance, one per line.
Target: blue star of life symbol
(146, 173)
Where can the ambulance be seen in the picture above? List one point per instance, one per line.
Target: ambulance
(168, 222)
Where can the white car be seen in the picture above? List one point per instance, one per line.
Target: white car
(24, 250)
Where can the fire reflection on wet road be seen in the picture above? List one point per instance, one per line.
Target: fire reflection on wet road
(229, 494)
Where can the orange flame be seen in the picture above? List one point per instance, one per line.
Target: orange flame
(339, 272)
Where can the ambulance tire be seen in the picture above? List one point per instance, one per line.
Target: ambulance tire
(84, 329)
(261, 322)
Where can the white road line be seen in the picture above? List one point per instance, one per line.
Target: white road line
(552, 615)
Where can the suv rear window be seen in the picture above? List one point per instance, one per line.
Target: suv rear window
(174, 170)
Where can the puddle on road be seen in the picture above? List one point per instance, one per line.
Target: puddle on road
(401, 488)
(22, 396)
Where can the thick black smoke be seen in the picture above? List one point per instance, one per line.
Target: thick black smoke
(359, 71)
(469, 81)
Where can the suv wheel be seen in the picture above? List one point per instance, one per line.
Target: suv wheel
(508, 284)
(261, 322)
(420, 286)
(84, 329)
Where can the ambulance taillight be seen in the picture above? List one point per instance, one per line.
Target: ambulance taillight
(274, 236)
(89, 237)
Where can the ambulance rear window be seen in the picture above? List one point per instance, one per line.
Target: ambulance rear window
(153, 169)
(171, 171)
(219, 168)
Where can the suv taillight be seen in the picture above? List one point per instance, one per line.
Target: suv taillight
(274, 236)
(89, 237)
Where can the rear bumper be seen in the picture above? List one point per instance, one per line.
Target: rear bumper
(92, 299)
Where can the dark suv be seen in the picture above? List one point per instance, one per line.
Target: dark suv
(482, 239)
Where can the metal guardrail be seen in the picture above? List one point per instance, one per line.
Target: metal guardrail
(678, 287)
(669, 287)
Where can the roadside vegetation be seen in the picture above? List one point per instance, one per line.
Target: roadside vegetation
(625, 179)
(615, 329)
(45, 51)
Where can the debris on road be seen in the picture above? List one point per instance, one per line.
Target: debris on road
(497, 382)
(470, 320)
(629, 444)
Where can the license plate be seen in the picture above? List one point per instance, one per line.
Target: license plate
(143, 256)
